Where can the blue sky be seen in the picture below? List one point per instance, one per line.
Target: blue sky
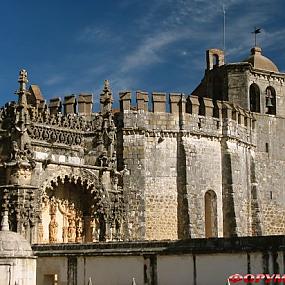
(70, 46)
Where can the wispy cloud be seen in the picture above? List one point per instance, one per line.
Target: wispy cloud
(149, 49)
(54, 79)
(165, 28)
(93, 33)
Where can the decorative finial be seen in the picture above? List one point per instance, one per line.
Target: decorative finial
(89, 281)
(107, 90)
(23, 80)
(107, 85)
(106, 98)
(134, 281)
(22, 91)
(5, 222)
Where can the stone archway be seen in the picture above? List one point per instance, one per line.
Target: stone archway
(74, 207)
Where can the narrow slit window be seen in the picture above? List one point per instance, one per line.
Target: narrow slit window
(267, 147)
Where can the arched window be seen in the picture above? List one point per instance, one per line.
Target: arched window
(211, 222)
(270, 100)
(254, 98)
(216, 60)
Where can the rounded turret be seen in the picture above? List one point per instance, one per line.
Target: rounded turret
(16, 257)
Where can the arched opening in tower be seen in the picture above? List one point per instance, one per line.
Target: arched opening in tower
(254, 98)
(270, 101)
(211, 222)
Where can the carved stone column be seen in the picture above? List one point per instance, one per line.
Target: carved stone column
(88, 229)
(53, 225)
(22, 202)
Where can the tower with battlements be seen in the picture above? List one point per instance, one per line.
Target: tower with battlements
(175, 166)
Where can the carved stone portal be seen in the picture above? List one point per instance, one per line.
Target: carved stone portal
(74, 213)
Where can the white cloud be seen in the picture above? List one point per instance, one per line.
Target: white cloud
(164, 23)
(148, 49)
(94, 33)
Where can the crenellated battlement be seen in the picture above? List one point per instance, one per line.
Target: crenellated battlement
(163, 166)
(81, 104)
(172, 112)
(178, 112)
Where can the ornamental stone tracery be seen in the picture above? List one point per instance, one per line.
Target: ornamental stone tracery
(50, 195)
(71, 175)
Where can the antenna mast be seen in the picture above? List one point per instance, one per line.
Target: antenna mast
(224, 31)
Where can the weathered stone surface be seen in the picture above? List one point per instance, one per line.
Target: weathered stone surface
(211, 166)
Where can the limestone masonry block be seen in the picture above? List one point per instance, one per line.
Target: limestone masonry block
(55, 105)
(125, 100)
(227, 110)
(195, 104)
(85, 102)
(209, 106)
(175, 101)
(70, 104)
(159, 102)
(142, 100)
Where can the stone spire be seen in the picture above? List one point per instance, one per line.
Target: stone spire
(22, 113)
(5, 223)
(106, 99)
(22, 92)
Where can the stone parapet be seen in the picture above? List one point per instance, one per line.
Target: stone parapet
(125, 100)
(193, 114)
(142, 100)
(175, 103)
(85, 102)
(55, 105)
(159, 102)
(70, 104)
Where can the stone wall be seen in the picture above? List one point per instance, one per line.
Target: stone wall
(236, 189)
(203, 173)
(195, 261)
(237, 84)
(259, 190)
(176, 157)
(161, 188)
(270, 166)
(197, 166)
(264, 80)
(133, 150)
(152, 161)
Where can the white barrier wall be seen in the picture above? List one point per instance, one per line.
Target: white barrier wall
(193, 262)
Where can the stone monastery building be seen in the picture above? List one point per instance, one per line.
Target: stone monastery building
(211, 166)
